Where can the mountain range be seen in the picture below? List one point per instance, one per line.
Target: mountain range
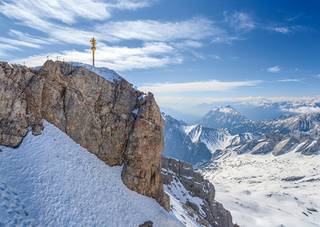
(224, 130)
(265, 172)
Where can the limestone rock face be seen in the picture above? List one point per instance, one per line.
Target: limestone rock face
(180, 176)
(142, 167)
(13, 103)
(119, 124)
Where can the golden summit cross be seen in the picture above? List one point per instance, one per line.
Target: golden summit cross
(93, 42)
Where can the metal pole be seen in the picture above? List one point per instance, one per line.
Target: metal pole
(93, 49)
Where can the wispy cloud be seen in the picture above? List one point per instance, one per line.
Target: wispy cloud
(245, 22)
(188, 44)
(198, 86)
(37, 12)
(188, 103)
(22, 36)
(57, 22)
(58, 18)
(274, 69)
(240, 21)
(5, 47)
(291, 80)
(151, 30)
(281, 29)
(121, 58)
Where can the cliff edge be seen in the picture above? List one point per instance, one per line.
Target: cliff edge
(114, 121)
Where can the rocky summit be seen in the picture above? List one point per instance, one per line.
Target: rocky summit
(111, 119)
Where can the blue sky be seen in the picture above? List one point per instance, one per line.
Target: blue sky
(186, 52)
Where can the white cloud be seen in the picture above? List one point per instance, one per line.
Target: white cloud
(20, 39)
(22, 36)
(19, 43)
(189, 44)
(240, 21)
(291, 80)
(228, 39)
(283, 30)
(274, 69)
(151, 30)
(120, 58)
(5, 47)
(130, 4)
(197, 86)
(38, 12)
(188, 103)
(57, 18)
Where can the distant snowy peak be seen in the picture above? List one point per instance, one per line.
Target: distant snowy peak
(104, 72)
(304, 123)
(227, 110)
(224, 112)
(226, 117)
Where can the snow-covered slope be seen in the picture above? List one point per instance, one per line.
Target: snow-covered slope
(213, 138)
(267, 190)
(179, 145)
(52, 181)
(104, 72)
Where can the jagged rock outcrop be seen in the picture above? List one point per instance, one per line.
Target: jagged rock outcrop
(13, 103)
(196, 194)
(119, 124)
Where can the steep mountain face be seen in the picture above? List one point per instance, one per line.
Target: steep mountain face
(193, 197)
(119, 124)
(196, 143)
(228, 118)
(213, 138)
(179, 145)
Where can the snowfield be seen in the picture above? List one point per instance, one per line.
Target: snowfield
(52, 181)
(267, 190)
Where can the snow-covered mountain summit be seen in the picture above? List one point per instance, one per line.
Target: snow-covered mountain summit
(229, 118)
(104, 72)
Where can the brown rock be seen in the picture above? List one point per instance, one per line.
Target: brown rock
(94, 112)
(142, 168)
(215, 214)
(13, 104)
(147, 224)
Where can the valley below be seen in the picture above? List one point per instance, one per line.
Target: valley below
(268, 191)
(266, 173)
